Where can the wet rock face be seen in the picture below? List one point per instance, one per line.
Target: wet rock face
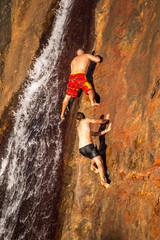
(21, 28)
(5, 28)
(128, 82)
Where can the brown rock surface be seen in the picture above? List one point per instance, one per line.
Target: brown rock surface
(128, 82)
(21, 28)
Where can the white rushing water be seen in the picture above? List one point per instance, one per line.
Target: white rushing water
(35, 118)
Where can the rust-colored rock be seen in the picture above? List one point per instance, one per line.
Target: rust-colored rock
(128, 82)
(22, 25)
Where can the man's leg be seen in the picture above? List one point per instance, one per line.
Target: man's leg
(99, 163)
(64, 105)
(93, 166)
(91, 95)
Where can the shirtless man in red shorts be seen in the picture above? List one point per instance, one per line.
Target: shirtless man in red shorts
(77, 79)
(86, 146)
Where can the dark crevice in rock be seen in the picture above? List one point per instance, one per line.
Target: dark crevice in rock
(47, 26)
(155, 89)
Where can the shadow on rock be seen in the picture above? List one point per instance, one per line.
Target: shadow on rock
(103, 147)
(89, 76)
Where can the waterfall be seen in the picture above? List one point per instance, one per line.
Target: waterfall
(28, 172)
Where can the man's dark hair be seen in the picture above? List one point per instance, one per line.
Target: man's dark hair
(80, 116)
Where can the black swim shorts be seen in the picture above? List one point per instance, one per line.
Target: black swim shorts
(89, 151)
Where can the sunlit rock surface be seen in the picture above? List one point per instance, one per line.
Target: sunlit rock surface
(128, 82)
(21, 27)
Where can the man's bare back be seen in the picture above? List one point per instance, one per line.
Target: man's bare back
(81, 62)
(84, 130)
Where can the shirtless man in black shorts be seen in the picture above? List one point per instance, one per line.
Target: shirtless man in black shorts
(86, 146)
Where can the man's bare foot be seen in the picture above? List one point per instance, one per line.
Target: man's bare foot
(94, 104)
(94, 169)
(104, 184)
(62, 117)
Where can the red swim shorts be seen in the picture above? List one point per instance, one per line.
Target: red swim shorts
(77, 81)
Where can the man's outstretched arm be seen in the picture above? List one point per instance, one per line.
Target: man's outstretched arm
(101, 121)
(93, 58)
(108, 129)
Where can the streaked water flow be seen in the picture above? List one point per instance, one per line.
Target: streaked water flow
(28, 172)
